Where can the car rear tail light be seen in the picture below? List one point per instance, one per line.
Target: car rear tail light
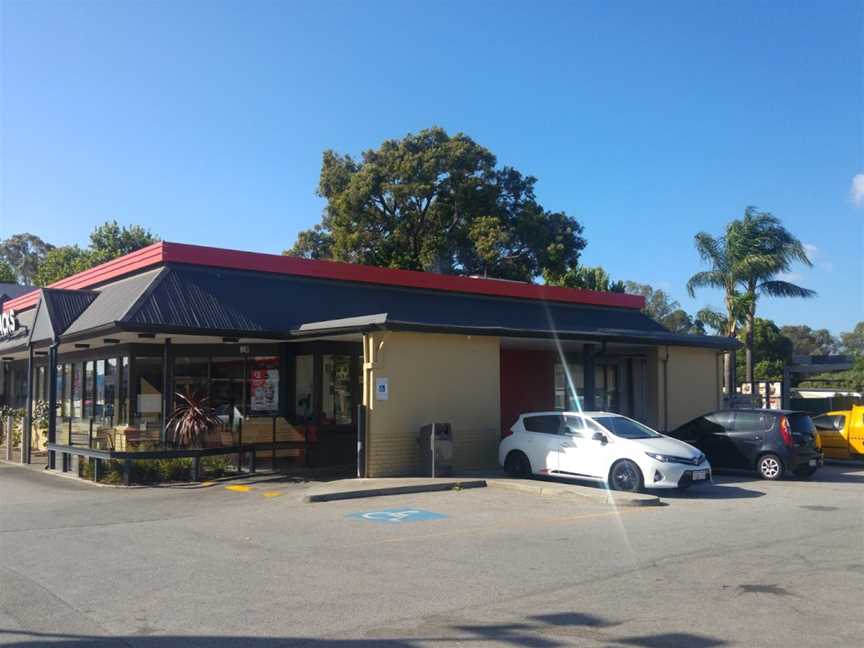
(785, 431)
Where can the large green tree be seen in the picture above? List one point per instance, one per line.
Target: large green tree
(590, 278)
(62, 262)
(853, 341)
(808, 341)
(662, 308)
(111, 240)
(772, 348)
(7, 273)
(24, 252)
(432, 201)
(107, 241)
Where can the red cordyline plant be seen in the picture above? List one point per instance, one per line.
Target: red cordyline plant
(191, 420)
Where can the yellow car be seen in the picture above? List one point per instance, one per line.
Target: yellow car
(841, 433)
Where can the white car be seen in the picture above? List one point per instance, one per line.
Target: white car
(600, 446)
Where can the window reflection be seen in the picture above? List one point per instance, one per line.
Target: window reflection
(336, 397)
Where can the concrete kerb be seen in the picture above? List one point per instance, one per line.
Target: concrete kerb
(379, 491)
(601, 495)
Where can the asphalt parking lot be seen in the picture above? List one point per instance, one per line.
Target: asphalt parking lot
(742, 563)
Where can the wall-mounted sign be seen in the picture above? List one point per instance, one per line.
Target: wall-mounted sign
(8, 323)
(382, 389)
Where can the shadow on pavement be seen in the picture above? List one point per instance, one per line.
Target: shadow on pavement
(711, 492)
(540, 631)
(837, 476)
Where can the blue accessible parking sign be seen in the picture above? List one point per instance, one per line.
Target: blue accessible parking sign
(397, 516)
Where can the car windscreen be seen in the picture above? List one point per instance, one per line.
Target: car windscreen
(626, 428)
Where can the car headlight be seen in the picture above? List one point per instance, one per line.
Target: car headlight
(673, 459)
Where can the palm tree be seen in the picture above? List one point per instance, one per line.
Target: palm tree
(767, 249)
(723, 275)
(745, 262)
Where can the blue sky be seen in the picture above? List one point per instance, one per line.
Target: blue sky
(649, 122)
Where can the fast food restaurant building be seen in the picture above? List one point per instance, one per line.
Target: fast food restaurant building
(303, 356)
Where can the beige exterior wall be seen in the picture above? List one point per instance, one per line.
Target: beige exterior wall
(432, 378)
(694, 382)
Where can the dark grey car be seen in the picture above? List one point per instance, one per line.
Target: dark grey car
(771, 442)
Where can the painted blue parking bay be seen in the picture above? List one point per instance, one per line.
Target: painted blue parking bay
(400, 515)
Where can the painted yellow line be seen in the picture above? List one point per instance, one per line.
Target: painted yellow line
(272, 494)
(239, 488)
(207, 483)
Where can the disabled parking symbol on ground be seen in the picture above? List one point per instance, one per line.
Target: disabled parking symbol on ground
(397, 516)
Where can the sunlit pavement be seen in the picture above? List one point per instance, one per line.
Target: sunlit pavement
(742, 562)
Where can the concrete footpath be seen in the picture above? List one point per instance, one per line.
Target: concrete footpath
(343, 489)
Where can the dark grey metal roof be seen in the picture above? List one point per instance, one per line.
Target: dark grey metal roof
(382, 321)
(57, 310)
(194, 300)
(114, 301)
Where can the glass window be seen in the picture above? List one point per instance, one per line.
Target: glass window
(191, 376)
(99, 408)
(226, 387)
(224, 368)
(58, 406)
(304, 383)
(336, 385)
(569, 387)
(123, 392)
(800, 423)
(560, 388)
(110, 389)
(67, 390)
(753, 421)
(77, 389)
(548, 424)
(262, 394)
(89, 370)
(148, 402)
(38, 392)
(625, 428)
(830, 423)
(575, 426)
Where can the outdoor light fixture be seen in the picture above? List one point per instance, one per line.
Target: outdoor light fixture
(232, 340)
(147, 336)
(111, 341)
(82, 346)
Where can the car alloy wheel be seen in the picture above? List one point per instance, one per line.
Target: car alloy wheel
(626, 477)
(517, 465)
(770, 467)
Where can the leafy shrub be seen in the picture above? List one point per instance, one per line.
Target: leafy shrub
(216, 466)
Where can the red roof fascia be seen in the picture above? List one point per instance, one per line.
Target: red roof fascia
(278, 264)
(162, 252)
(146, 257)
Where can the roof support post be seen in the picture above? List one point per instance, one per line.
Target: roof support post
(167, 382)
(589, 374)
(28, 417)
(51, 374)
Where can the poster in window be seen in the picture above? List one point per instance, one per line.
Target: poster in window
(264, 386)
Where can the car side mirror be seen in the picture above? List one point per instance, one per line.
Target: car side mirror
(599, 436)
